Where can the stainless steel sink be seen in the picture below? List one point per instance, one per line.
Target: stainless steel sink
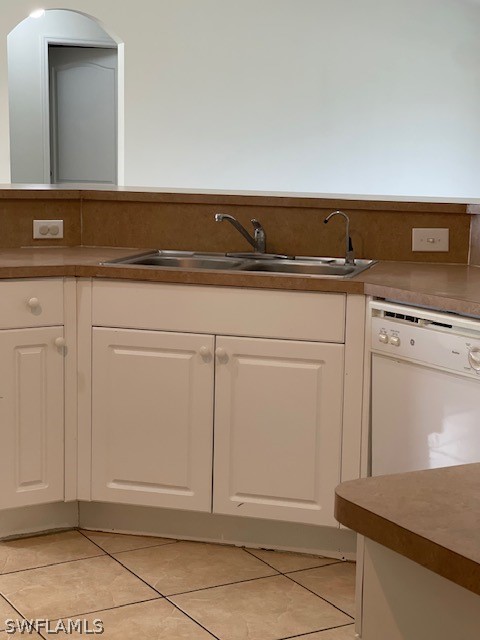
(181, 260)
(301, 265)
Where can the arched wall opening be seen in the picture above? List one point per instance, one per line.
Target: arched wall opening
(65, 85)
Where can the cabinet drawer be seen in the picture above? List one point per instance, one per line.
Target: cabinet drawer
(220, 310)
(31, 303)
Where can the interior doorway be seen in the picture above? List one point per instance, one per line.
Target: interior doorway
(83, 114)
(65, 82)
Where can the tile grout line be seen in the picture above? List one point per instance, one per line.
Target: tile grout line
(191, 618)
(309, 633)
(278, 573)
(164, 544)
(126, 568)
(38, 534)
(118, 606)
(51, 564)
(157, 544)
(224, 584)
(84, 613)
(321, 597)
(89, 613)
(149, 585)
(320, 566)
(167, 598)
(179, 593)
(286, 575)
(14, 608)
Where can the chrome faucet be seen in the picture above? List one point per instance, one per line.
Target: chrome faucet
(349, 254)
(259, 238)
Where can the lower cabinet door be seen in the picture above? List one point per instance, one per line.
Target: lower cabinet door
(152, 418)
(278, 428)
(31, 417)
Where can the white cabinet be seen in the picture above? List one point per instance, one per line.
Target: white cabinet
(278, 419)
(163, 390)
(278, 429)
(31, 416)
(265, 420)
(38, 391)
(152, 418)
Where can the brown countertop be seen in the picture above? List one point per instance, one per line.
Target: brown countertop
(431, 517)
(278, 198)
(85, 262)
(447, 287)
(55, 261)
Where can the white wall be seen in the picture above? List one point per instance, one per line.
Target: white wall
(321, 96)
(27, 82)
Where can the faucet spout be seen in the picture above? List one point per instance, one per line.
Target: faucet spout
(259, 238)
(349, 253)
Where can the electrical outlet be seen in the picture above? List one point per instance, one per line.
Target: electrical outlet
(430, 239)
(47, 229)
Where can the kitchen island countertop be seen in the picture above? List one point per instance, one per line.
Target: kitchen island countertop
(431, 517)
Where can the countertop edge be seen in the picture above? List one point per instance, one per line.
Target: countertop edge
(215, 278)
(301, 200)
(198, 278)
(444, 303)
(456, 288)
(46, 271)
(447, 563)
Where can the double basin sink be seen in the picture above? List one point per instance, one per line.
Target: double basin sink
(246, 262)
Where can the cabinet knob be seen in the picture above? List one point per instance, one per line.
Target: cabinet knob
(205, 353)
(60, 342)
(222, 355)
(33, 303)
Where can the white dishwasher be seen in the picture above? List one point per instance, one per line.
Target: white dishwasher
(425, 389)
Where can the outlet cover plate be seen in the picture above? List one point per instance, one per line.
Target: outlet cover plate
(429, 240)
(47, 229)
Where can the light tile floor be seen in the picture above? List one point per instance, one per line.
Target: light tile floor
(144, 588)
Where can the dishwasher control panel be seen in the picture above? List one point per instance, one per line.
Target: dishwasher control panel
(442, 340)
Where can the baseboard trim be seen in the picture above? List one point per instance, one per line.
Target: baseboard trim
(207, 527)
(183, 525)
(39, 518)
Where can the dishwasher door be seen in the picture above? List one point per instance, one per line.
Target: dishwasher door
(422, 418)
